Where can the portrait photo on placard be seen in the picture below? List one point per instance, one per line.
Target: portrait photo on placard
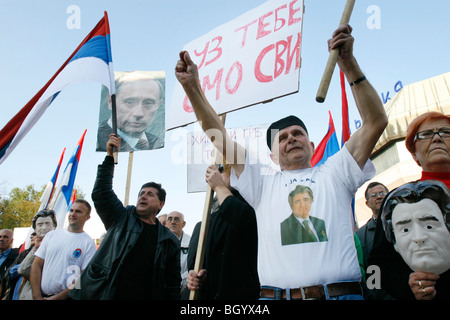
(140, 110)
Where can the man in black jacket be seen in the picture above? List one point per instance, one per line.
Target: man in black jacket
(139, 258)
(7, 256)
(231, 271)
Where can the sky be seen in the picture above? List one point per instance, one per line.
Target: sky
(395, 41)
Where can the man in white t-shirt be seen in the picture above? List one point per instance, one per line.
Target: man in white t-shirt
(315, 269)
(62, 256)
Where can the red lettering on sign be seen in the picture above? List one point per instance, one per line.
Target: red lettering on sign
(279, 62)
(216, 83)
(258, 74)
(283, 21)
(261, 25)
(245, 31)
(231, 90)
(296, 52)
(284, 57)
(186, 106)
(292, 12)
(272, 21)
(217, 50)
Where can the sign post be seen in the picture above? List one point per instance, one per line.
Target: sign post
(204, 228)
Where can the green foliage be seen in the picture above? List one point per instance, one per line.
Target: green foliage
(18, 209)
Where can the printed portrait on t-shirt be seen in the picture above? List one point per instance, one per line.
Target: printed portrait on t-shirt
(300, 226)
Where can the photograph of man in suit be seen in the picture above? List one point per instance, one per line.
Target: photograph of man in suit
(300, 227)
(140, 111)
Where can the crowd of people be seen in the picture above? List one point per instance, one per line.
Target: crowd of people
(281, 234)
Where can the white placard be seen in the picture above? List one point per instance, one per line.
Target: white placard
(251, 59)
(200, 151)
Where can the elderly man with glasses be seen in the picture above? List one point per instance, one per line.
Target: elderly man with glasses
(374, 194)
(176, 223)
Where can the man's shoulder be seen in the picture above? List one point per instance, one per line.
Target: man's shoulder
(360, 232)
(289, 221)
(154, 141)
(13, 253)
(164, 233)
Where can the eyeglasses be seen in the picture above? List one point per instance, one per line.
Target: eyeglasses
(377, 194)
(175, 219)
(429, 134)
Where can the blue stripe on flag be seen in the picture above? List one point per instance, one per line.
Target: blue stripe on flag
(331, 148)
(96, 47)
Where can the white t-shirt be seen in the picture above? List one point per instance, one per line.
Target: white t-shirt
(310, 263)
(66, 254)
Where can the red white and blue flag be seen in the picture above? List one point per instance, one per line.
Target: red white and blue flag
(91, 61)
(62, 199)
(48, 192)
(329, 144)
(327, 147)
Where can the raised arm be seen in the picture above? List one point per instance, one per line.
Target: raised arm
(36, 277)
(187, 74)
(106, 202)
(370, 107)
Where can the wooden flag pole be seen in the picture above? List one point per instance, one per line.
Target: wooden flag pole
(204, 228)
(331, 63)
(127, 188)
(114, 125)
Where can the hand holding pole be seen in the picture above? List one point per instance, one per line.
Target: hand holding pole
(331, 63)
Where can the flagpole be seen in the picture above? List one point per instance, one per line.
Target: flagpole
(114, 125)
(331, 63)
(127, 188)
(204, 228)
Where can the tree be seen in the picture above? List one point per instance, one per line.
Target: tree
(19, 208)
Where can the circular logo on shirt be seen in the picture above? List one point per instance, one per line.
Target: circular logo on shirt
(77, 253)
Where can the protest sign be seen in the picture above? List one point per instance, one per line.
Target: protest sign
(200, 152)
(251, 59)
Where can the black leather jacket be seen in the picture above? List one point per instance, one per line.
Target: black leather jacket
(123, 229)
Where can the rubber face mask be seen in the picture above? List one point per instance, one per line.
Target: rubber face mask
(422, 239)
(43, 225)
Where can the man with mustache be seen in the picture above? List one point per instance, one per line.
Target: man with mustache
(139, 258)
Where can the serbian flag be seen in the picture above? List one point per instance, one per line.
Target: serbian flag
(327, 147)
(48, 192)
(345, 120)
(62, 199)
(91, 61)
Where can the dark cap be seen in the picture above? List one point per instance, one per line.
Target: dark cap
(281, 124)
